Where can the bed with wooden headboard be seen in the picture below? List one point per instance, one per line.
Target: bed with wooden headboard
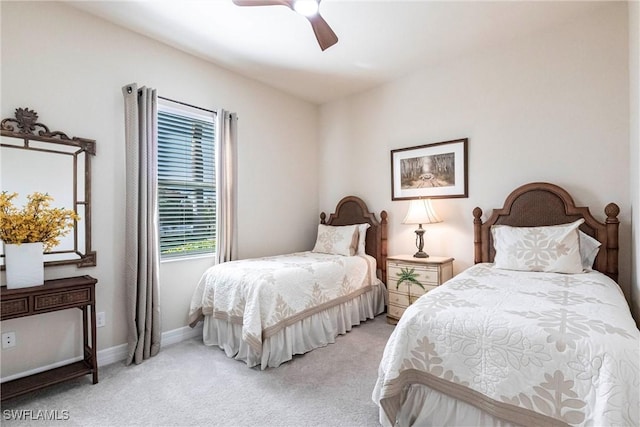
(542, 203)
(537, 332)
(265, 310)
(353, 210)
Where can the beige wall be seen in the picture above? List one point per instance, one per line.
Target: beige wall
(550, 107)
(634, 92)
(70, 67)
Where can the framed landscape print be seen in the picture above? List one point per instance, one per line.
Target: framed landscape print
(435, 171)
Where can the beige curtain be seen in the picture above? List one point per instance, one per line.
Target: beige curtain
(226, 185)
(141, 232)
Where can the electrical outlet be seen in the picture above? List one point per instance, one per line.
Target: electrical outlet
(8, 339)
(101, 319)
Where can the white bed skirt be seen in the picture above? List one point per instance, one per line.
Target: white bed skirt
(315, 331)
(423, 406)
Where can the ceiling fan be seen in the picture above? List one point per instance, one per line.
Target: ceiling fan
(310, 9)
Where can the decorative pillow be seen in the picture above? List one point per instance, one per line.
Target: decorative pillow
(553, 248)
(337, 240)
(362, 238)
(589, 248)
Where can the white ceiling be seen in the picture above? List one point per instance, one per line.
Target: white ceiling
(379, 40)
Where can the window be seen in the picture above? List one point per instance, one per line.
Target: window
(186, 180)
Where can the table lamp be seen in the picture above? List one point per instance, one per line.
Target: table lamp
(420, 212)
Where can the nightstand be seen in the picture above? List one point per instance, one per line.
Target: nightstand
(429, 272)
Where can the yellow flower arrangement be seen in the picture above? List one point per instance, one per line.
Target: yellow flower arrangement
(35, 222)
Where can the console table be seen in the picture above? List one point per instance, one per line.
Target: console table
(59, 294)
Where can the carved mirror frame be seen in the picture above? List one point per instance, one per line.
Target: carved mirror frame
(35, 136)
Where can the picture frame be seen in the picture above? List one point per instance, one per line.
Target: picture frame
(435, 171)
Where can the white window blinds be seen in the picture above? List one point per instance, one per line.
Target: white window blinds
(186, 180)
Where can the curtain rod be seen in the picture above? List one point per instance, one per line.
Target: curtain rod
(188, 105)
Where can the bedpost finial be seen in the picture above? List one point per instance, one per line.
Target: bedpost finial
(323, 218)
(383, 215)
(477, 213)
(612, 210)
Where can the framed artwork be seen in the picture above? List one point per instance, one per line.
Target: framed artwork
(436, 171)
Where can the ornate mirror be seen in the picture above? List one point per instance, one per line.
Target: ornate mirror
(34, 159)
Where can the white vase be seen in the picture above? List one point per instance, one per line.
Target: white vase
(24, 264)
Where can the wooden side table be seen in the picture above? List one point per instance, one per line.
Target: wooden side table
(54, 295)
(429, 272)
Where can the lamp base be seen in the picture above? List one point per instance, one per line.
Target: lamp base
(420, 243)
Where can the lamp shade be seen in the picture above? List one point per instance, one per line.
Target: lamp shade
(421, 212)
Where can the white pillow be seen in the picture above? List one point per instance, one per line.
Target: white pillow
(338, 240)
(362, 238)
(589, 248)
(553, 248)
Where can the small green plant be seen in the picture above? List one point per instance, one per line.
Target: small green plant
(409, 276)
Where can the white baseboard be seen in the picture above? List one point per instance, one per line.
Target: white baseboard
(116, 353)
(181, 334)
(112, 355)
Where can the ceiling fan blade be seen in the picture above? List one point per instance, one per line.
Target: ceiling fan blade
(288, 3)
(325, 35)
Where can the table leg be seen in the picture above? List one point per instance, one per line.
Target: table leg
(94, 345)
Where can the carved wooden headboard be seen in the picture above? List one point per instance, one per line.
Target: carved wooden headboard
(353, 210)
(541, 203)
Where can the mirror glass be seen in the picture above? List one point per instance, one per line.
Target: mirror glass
(54, 164)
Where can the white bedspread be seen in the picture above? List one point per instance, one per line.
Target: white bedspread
(528, 348)
(267, 294)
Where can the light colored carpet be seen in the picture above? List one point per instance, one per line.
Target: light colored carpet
(189, 384)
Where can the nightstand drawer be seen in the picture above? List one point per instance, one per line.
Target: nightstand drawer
(406, 287)
(404, 297)
(424, 275)
(398, 298)
(394, 311)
